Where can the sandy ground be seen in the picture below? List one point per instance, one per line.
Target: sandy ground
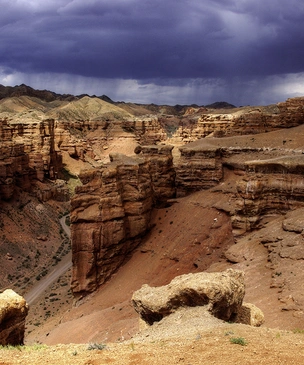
(214, 345)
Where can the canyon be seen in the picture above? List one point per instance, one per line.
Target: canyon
(155, 190)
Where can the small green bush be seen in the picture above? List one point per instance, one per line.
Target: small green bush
(238, 341)
(96, 346)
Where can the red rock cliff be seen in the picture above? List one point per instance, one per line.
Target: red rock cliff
(28, 154)
(111, 212)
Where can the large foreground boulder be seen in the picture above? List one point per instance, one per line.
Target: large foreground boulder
(221, 292)
(13, 311)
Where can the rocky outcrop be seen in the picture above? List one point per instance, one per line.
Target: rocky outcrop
(147, 130)
(74, 137)
(38, 141)
(269, 187)
(13, 311)
(37, 135)
(223, 293)
(162, 171)
(14, 169)
(111, 212)
(285, 245)
(267, 184)
(198, 168)
(242, 121)
(108, 214)
(277, 242)
(28, 155)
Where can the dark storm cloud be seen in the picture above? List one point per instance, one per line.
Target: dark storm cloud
(158, 42)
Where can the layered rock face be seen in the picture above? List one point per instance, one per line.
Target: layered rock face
(267, 183)
(87, 140)
(266, 186)
(13, 311)
(37, 135)
(162, 171)
(111, 212)
(240, 121)
(147, 130)
(269, 187)
(14, 169)
(199, 168)
(27, 154)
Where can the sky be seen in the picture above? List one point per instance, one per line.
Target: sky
(245, 52)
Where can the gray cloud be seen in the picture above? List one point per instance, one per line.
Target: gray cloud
(162, 43)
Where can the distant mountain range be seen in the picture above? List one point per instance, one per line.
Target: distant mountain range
(46, 95)
(21, 90)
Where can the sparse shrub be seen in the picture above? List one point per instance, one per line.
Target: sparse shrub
(35, 347)
(10, 347)
(44, 272)
(67, 220)
(54, 300)
(238, 341)
(96, 346)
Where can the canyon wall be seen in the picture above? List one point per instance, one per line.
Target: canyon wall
(198, 168)
(111, 212)
(265, 186)
(87, 140)
(28, 155)
(32, 149)
(240, 121)
(35, 140)
(269, 187)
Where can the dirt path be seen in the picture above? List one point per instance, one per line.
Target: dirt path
(51, 277)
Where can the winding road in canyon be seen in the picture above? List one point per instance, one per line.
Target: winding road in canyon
(52, 276)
